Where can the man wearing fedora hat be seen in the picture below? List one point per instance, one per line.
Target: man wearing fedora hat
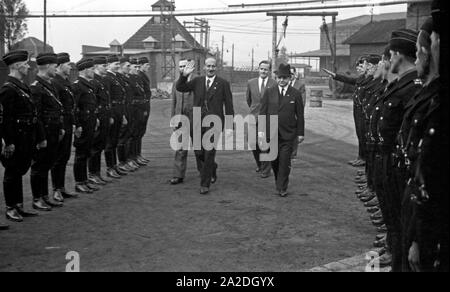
(285, 102)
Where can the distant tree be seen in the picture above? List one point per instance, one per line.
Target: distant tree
(283, 57)
(12, 29)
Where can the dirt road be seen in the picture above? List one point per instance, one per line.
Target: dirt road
(144, 224)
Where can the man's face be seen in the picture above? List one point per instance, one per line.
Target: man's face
(90, 73)
(182, 65)
(210, 68)
(396, 61)
(65, 69)
(133, 69)
(114, 67)
(145, 67)
(264, 70)
(294, 75)
(360, 68)
(435, 48)
(101, 69)
(423, 59)
(51, 70)
(23, 68)
(283, 81)
(125, 67)
(379, 70)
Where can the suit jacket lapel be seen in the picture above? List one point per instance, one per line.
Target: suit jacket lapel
(286, 99)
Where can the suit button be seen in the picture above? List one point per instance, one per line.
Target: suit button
(381, 118)
(432, 132)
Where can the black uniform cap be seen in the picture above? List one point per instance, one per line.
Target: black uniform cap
(124, 59)
(112, 59)
(404, 41)
(143, 60)
(46, 59)
(100, 60)
(63, 58)
(84, 64)
(134, 61)
(15, 57)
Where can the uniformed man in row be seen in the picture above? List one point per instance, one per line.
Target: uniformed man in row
(118, 99)
(106, 120)
(391, 112)
(22, 132)
(3, 226)
(64, 90)
(143, 74)
(138, 109)
(50, 110)
(125, 164)
(86, 124)
(363, 66)
(430, 237)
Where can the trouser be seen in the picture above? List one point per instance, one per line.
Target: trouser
(83, 146)
(370, 166)
(113, 139)
(99, 144)
(390, 205)
(124, 140)
(18, 165)
(143, 128)
(295, 148)
(206, 160)
(63, 156)
(265, 166)
(137, 117)
(282, 165)
(180, 164)
(44, 161)
(357, 115)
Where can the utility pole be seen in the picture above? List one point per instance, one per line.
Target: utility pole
(221, 57)
(232, 64)
(45, 26)
(274, 43)
(334, 52)
(253, 59)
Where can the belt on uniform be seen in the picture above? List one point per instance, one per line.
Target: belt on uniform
(27, 121)
(139, 102)
(87, 112)
(118, 102)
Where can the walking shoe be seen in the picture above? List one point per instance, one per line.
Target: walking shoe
(92, 187)
(13, 215)
(58, 197)
(52, 203)
(376, 216)
(140, 162)
(204, 191)
(105, 179)
(382, 229)
(25, 214)
(378, 223)
(362, 180)
(68, 195)
(361, 172)
(81, 188)
(176, 181)
(360, 191)
(121, 172)
(145, 160)
(96, 181)
(360, 163)
(367, 198)
(40, 205)
(381, 236)
(113, 174)
(353, 161)
(373, 203)
(373, 210)
(385, 260)
(132, 166)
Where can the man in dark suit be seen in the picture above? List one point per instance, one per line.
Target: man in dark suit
(212, 94)
(285, 102)
(255, 91)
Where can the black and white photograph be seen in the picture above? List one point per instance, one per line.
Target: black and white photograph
(211, 137)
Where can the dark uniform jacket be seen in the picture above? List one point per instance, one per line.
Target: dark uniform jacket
(117, 93)
(214, 100)
(103, 99)
(146, 85)
(66, 97)
(393, 109)
(138, 93)
(86, 101)
(50, 108)
(289, 109)
(19, 112)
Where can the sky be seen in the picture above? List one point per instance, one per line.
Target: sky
(246, 32)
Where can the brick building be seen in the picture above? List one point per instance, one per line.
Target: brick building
(156, 40)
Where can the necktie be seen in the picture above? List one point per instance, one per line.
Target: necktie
(208, 84)
(282, 92)
(263, 86)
